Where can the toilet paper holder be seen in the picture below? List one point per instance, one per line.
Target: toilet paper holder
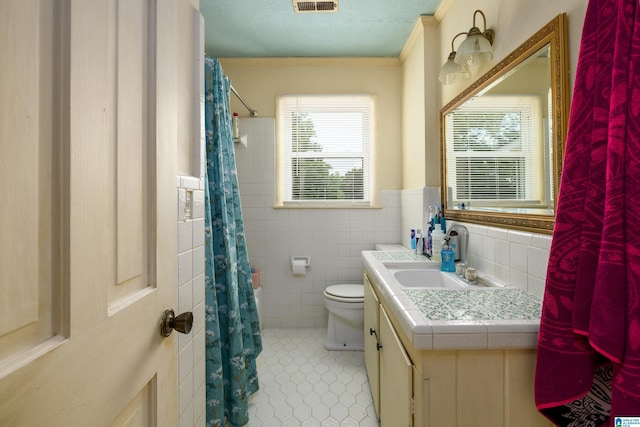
(306, 259)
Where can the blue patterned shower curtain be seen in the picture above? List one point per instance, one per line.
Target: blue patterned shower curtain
(233, 338)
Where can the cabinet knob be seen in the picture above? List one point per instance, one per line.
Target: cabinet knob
(378, 346)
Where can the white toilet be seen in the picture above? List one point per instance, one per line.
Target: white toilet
(345, 329)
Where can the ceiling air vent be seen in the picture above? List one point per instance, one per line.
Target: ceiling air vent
(300, 6)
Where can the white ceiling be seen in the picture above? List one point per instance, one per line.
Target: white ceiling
(270, 28)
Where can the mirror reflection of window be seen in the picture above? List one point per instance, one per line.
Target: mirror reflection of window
(510, 179)
(497, 156)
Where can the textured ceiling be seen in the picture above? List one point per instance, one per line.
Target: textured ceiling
(270, 28)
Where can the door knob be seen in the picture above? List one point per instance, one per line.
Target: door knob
(181, 323)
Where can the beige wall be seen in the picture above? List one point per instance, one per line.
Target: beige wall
(513, 21)
(185, 65)
(260, 81)
(420, 141)
(413, 110)
(409, 94)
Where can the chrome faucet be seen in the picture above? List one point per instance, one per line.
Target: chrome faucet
(464, 243)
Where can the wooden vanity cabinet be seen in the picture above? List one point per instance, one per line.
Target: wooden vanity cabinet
(434, 388)
(371, 330)
(389, 368)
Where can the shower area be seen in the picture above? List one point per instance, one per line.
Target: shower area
(332, 238)
(216, 362)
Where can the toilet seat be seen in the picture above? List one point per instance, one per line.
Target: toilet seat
(345, 293)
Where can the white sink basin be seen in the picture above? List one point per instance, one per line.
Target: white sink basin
(415, 278)
(421, 275)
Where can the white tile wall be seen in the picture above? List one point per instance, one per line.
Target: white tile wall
(333, 238)
(190, 259)
(510, 256)
(415, 210)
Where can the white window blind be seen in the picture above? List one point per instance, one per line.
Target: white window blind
(497, 154)
(325, 149)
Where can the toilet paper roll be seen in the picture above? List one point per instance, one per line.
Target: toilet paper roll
(298, 266)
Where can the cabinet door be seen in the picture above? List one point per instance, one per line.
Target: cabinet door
(396, 389)
(421, 400)
(371, 354)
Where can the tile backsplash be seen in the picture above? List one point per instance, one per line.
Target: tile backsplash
(510, 256)
(516, 257)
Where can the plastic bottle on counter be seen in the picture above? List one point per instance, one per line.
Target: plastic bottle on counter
(442, 220)
(428, 228)
(448, 263)
(454, 244)
(437, 236)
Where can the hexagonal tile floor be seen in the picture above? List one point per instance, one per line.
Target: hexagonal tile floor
(303, 384)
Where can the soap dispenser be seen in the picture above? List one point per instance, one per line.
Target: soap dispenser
(448, 261)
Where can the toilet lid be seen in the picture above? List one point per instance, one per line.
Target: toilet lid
(346, 291)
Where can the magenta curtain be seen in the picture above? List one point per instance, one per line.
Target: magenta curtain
(589, 342)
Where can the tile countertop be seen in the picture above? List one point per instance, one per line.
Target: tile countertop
(503, 317)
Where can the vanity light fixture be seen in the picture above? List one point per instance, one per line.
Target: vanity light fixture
(476, 48)
(451, 71)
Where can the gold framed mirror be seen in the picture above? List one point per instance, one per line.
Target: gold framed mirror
(502, 139)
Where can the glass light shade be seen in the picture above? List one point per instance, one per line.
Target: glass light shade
(452, 72)
(475, 49)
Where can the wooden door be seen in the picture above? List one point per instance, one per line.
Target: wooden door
(88, 217)
(396, 378)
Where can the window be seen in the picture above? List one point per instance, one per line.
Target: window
(325, 150)
(494, 157)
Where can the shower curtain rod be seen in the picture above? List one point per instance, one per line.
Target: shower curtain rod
(253, 112)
